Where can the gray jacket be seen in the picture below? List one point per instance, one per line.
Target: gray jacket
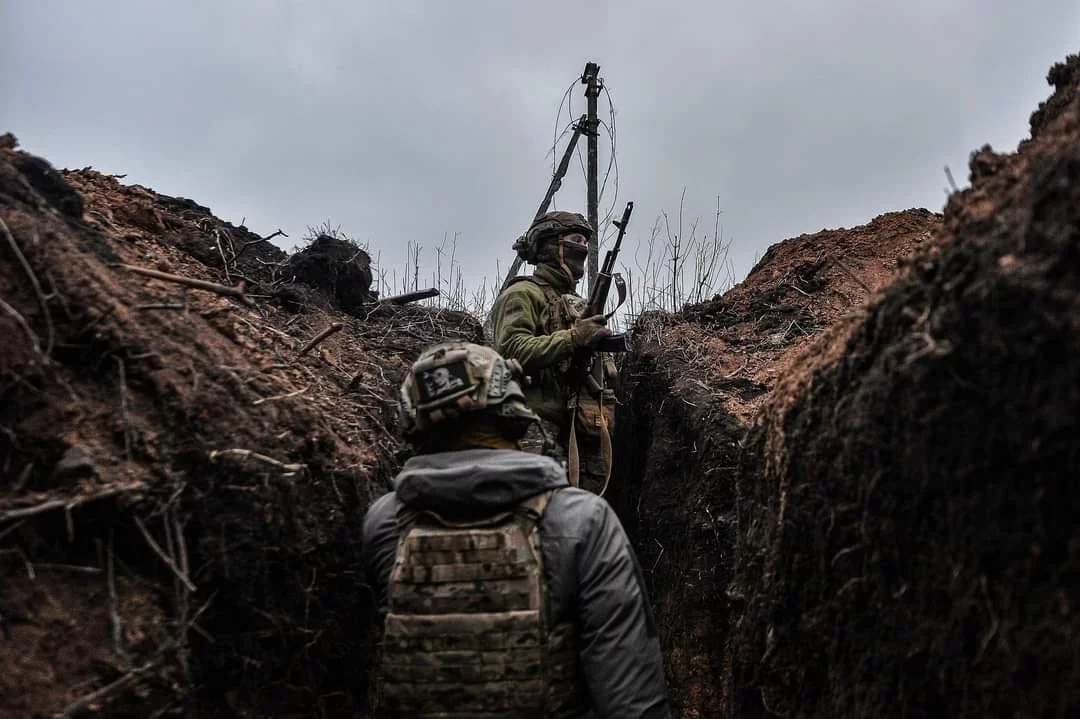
(592, 572)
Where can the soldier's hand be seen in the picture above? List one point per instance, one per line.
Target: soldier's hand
(587, 331)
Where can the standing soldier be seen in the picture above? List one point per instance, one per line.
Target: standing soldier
(537, 321)
(503, 591)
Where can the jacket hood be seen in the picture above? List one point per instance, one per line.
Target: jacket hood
(476, 479)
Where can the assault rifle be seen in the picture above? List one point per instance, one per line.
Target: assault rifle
(581, 361)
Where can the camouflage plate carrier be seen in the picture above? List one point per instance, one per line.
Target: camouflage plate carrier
(467, 633)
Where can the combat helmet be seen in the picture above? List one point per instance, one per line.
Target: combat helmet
(455, 378)
(550, 224)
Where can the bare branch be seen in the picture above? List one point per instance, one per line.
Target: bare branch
(14, 313)
(51, 332)
(249, 243)
(247, 453)
(335, 327)
(107, 692)
(280, 396)
(164, 557)
(237, 292)
(851, 274)
(7, 515)
(224, 262)
(124, 407)
(114, 603)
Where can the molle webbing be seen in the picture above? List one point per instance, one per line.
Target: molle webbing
(466, 634)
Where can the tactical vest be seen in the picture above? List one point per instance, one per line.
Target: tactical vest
(562, 311)
(563, 308)
(468, 633)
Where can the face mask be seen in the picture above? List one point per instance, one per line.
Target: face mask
(573, 251)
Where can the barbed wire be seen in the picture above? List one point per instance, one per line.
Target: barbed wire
(558, 118)
(611, 173)
(613, 164)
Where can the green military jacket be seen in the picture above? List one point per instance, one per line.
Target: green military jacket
(529, 327)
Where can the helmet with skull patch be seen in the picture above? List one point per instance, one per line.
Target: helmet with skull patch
(453, 380)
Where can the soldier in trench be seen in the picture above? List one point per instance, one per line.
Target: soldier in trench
(537, 321)
(502, 590)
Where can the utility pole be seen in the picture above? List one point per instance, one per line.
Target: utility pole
(556, 183)
(593, 84)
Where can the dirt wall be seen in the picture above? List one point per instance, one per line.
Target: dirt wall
(182, 473)
(691, 386)
(907, 541)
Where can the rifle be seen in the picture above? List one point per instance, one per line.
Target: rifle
(581, 360)
(583, 370)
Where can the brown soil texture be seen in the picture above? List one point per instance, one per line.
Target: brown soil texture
(691, 386)
(907, 508)
(181, 484)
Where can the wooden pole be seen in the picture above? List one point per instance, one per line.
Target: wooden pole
(556, 183)
(590, 78)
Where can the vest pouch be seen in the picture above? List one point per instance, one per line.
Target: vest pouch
(590, 415)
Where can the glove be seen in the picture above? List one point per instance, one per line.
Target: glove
(587, 331)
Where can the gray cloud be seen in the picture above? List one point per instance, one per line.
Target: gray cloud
(405, 121)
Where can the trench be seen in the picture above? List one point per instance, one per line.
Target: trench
(676, 456)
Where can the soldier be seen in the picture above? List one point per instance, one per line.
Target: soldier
(503, 591)
(537, 321)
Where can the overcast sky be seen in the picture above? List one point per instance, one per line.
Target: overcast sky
(404, 121)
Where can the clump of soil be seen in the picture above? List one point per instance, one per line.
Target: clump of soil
(691, 386)
(1064, 78)
(338, 267)
(182, 473)
(907, 508)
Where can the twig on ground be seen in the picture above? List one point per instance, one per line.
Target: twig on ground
(745, 362)
(97, 698)
(237, 291)
(334, 327)
(193, 622)
(68, 568)
(224, 262)
(249, 243)
(291, 469)
(7, 515)
(798, 289)
(14, 313)
(162, 306)
(51, 333)
(26, 561)
(114, 603)
(174, 541)
(851, 274)
(124, 417)
(10, 529)
(280, 396)
(164, 557)
(658, 555)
